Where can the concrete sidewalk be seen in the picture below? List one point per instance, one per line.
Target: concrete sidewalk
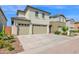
(41, 43)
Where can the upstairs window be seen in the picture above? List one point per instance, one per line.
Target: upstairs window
(36, 14)
(43, 15)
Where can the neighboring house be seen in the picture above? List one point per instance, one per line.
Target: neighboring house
(57, 22)
(70, 24)
(76, 25)
(3, 20)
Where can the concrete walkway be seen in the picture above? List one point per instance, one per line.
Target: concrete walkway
(41, 43)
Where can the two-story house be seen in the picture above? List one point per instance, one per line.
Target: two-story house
(3, 20)
(70, 25)
(31, 21)
(57, 22)
(76, 25)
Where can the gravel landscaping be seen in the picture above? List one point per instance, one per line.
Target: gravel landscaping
(17, 45)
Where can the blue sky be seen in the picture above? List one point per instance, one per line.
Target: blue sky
(70, 11)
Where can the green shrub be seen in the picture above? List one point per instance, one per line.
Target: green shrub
(75, 31)
(11, 37)
(11, 41)
(6, 41)
(11, 48)
(65, 33)
(7, 44)
(64, 28)
(5, 38)
(2, 44)
(57, 32)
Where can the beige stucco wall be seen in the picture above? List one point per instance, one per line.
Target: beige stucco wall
(21, 14)
(39, 29)
(56, 25)
(27, 14)
(30, 14)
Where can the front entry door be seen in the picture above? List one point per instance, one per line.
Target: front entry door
(50, 28)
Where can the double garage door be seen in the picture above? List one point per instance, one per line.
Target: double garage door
(39, 29)
(36, 29)
(23, 30)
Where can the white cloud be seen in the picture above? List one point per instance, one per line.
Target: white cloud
(59, 6)
(75, 17)
(12, 8)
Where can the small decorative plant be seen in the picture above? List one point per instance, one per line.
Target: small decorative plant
(6, 41)
(64, 29)
(2, 44)
(57, 32)
(11, 48)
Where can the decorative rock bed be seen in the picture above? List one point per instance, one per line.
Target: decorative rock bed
(17, 45)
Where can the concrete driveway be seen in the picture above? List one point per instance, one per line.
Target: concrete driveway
(42, 43)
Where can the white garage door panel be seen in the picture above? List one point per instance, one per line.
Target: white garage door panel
(23, 30)
(39, 29)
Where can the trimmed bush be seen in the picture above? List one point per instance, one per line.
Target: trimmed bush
(75, 31)
(64, 33)
(7, 44)
(11, 48)
(11, 37)
(57, 32)
(6, 41)
(11, 41)
(2, 44)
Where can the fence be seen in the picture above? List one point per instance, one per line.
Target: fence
(8, 30)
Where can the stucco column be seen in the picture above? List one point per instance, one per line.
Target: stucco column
(47, 29)
(14, 23)
(30, 30)
(68, 32)
(14, 30)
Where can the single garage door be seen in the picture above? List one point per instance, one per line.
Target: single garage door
(23, 29)
(39, 29)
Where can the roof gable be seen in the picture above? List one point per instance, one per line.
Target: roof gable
(55, 16)
(35, 9)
